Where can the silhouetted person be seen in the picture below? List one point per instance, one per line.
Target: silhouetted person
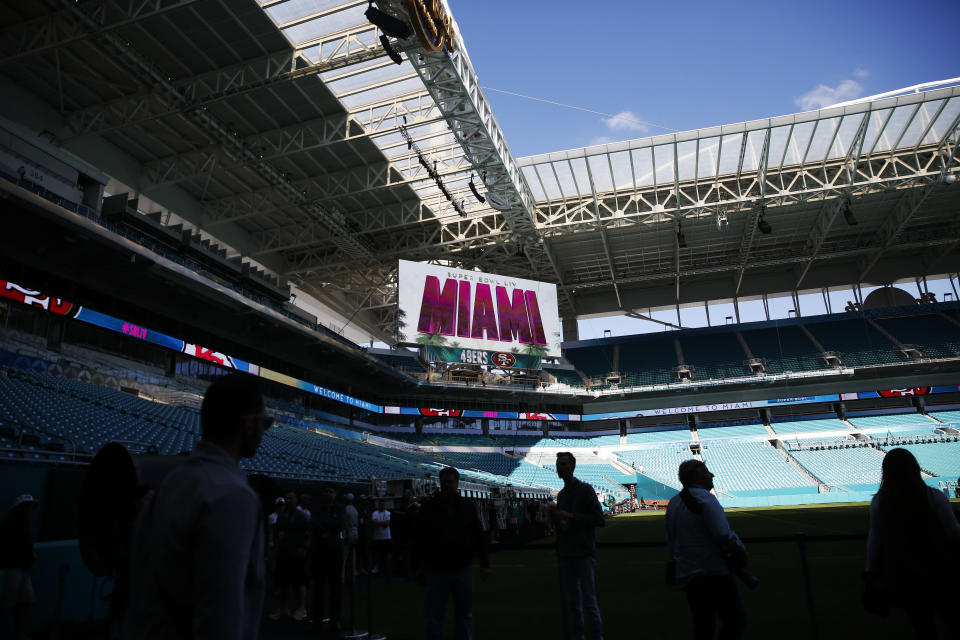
(382, 540)
(326, 557)
(448, 535)
(351, 536)
(577, 514)
(911, 549)
(198, 546)
(17, 557)
(701, 545)
(293, 527)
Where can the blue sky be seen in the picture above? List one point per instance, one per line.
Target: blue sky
(686, 65)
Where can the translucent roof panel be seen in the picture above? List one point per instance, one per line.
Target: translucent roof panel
(600, 172)
(687, 160)
(622, 170)
(730, 153)
(753, 152)
(799, 141)
(579, 168)
(707, 157)
(817, 137)
(779, 137)
(896, 125)
(643, 167)
(533, 181)
(822, 141)
(940, 128)
(663, 159)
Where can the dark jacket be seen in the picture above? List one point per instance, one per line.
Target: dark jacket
(575, 536)
(326, 529)
(16, 544)
(448, 535)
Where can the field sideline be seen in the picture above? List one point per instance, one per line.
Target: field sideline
(521, 598)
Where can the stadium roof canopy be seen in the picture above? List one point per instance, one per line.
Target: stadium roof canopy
(284, 129)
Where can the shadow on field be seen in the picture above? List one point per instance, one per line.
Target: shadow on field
(521, 598)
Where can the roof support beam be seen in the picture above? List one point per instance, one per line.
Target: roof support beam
(823, 223)
(202, 90)
(266, 146)
(452, 81)
(60, 28)
(887, 234)
(171, 95)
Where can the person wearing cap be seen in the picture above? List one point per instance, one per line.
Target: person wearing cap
(198, 547)
(17, 557)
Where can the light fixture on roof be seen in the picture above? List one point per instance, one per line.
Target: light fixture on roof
(762, 223)
(947, 177)
(681, 239)
(476, 194)
(390, 50)
(388, 24)
(848, 213)
(721, 220)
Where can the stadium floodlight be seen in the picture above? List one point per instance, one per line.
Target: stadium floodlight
(681, 239)
(388, 24)
(721, 220)
(390, 50)
(476, 194)
(848, 213)
(762, 223)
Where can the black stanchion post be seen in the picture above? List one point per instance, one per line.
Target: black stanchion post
(352, 572)
(808, 586)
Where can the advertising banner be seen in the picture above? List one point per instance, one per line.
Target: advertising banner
(703, 408)
(58, 306)
(493, 359)
(447, 307)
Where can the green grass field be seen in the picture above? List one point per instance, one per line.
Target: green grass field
(521, 598)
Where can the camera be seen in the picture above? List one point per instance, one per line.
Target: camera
(737, 563)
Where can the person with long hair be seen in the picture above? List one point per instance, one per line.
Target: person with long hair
(912, 546)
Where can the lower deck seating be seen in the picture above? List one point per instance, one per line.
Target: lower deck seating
(753, 467)
(857, 465)
(941, 458)
(808, 426)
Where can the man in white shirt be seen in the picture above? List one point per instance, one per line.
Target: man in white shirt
(702, 547)
(381, 539)
(197, 568)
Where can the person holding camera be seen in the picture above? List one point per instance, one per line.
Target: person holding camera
(705, 554)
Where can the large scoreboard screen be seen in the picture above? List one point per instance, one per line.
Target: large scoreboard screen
(459, 309)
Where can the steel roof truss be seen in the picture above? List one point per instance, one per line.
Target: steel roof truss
(60, 28)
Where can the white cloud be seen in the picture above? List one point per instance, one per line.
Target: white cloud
(599, 140)
(824, 96)
(625, 121)
(862, 73)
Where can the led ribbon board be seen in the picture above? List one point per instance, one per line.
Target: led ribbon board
(459, 309)
(40, 300)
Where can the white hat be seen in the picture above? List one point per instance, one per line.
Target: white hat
(348, 496)
(19, 500)
(279, 501)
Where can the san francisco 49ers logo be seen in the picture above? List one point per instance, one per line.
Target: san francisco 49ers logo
(448, 413)
(504, 359)
(899, 393)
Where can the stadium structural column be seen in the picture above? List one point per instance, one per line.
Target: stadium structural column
(485, 426)
(571, 331)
